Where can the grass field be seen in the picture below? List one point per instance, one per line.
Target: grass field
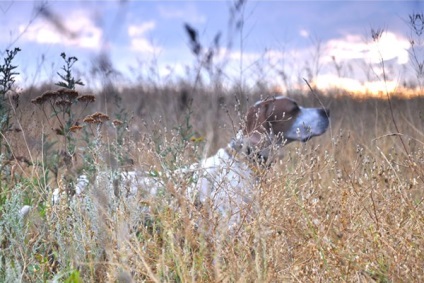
(346, 206)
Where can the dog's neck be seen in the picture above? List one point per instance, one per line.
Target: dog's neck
(242, 146)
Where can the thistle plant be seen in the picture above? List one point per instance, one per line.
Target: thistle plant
(60, 108)
(68, 81)
(7, 80)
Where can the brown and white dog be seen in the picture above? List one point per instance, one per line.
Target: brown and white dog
(227, 180)
(225, 183)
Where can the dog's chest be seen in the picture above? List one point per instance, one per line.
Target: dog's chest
(226, 181)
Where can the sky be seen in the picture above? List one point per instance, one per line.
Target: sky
(279, 42)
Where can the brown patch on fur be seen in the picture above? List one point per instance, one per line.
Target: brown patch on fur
(270, 116)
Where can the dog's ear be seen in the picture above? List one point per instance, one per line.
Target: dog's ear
(280, 115)
(259, 124)
(257, 118)
(270, 118)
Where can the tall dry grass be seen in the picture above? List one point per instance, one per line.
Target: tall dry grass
(346, 206)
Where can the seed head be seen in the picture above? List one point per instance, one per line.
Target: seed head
(67, 93)
(96, 118)
(100, 116)
(63, 103)
(376, 34)
(38, 100)
(86, 98)
(89, 120)
(49, 95)
(75, 128)
(117, 123)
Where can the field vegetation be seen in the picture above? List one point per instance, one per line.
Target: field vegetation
(344, 207)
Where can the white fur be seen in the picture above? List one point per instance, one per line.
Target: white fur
(226, 186)
(308, 123)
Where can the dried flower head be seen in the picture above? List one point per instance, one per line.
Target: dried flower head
(89, 120)
(416, 21)
(59, 131)
(96, 118)
(75, 128)
(38, 100)
(376, 34)
(88, 98)
(67, 93)
(197, 139)
(100, 116)
(63, 103)
(50, 95)
(117, 123)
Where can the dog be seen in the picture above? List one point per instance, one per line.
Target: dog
(228, 179)
(224, 184)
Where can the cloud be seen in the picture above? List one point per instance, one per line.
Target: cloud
(187, 13)
(76, 29)
(390, 46)
(143, 45)
(139, 38)
(291, 62)
(304, 33)
(140, 30)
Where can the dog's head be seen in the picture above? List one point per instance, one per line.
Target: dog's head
(280, 120)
